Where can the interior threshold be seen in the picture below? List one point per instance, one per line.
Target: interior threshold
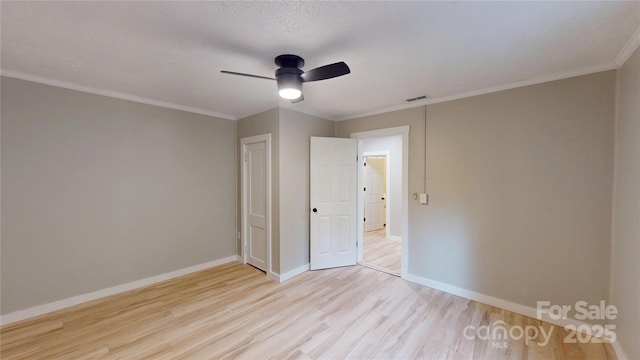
(381, 269)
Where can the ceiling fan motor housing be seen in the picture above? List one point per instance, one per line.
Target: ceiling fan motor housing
(289, 61)
(289, 75)
(289, 71)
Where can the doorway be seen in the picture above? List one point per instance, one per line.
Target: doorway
(381, 250)
(256, 201)
(382, 237)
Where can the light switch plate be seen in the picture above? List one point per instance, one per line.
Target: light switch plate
(424, 199)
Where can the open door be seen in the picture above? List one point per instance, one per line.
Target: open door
(375, 188)
(333, 200)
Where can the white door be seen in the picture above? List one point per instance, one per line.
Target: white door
(333, 183)
(255, 200)
(374, 193)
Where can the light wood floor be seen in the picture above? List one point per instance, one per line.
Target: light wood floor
(233, 311)
(381, 253)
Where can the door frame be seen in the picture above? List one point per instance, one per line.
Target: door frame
(403, 131)
(243, 198)
(387, 210)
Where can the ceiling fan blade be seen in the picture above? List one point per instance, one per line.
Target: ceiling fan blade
(247, 75)
(326, 72)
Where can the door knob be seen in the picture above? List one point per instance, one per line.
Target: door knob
(315, 210)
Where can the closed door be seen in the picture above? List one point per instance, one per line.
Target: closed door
(255, 202)
(333, 182)
(375, 193)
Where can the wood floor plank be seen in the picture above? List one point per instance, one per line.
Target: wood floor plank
(381, 253)
(234, 312)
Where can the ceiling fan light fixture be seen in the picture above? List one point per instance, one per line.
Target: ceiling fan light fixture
(289, 93)
(289, 86)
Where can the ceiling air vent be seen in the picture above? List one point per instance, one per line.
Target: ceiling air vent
(418, 98)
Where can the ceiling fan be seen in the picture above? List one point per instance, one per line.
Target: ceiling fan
(290, 76)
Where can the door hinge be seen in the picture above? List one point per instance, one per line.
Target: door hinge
(365, 219)
(365, 189)
(365, 164)
(246, 156)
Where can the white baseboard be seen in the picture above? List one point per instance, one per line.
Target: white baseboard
(293, 273)
(273, 276)
(79, 299)
(493, 301)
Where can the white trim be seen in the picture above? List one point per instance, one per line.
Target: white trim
(238, 229)
(266, 138)
(113, 94)
(619, 350)
(79, 299)
(371, 134)
(493, 301)
(538, 80)
(293, 273)
(387, 191)
(628, 48)
(614, 187)
(621, 59)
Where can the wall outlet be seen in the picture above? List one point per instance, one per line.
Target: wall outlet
(424, 199)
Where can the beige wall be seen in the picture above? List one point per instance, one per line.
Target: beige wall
(295, 130)
(98, 192)
(520, 190)
(625, 269)
(264, 123)
(290, 132)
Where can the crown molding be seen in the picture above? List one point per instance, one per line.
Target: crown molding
(628, 48)
(112, 94)
(489, 90)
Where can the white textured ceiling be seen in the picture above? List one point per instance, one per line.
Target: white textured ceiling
(173, 51)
